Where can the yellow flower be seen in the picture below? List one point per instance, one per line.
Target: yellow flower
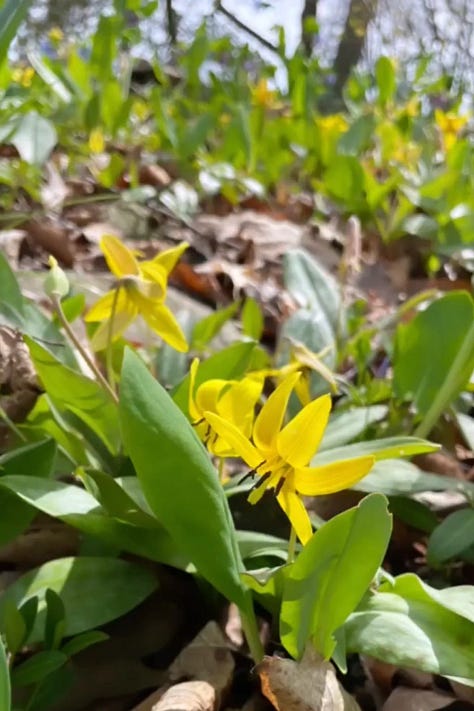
(23, 76)
(56, 35)
(450, 125)
(140, 290)
(264, 97)
(280, 455)
(234, 400)
(96, 141)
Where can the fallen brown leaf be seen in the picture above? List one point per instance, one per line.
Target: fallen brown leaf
(308, 685)
(403, 699)
(187, 696)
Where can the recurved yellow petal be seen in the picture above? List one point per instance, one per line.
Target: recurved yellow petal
(101, 309)
(295, 510)
(162, 321)
(299, 439)
(234, 437)
(168, 259)
(270, 418)
(120, 259)
(315, 481)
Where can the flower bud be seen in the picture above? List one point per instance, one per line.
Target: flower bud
(56, 283)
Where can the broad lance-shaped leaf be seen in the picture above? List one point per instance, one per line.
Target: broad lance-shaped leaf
(434, 356)
(178, 479)
(93, 590)
(79, 509)
(411, 624)
(386, 448)
(33, 460)
(73, 392)
(331, 574)
(12, 14)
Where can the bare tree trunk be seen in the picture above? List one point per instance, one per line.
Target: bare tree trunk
(361, 13)
(307, 38)
(171, 23)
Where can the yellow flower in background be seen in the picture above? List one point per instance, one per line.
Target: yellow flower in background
(96, 141)
(56, 35)
(234, 400)
(333, 124)
(264, 97)
(140, 290)
(450, 126)
(23, 76)
(279, 455)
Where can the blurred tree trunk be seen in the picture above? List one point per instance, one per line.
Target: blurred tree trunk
(307, 38)
(351, 46)
(171, 23)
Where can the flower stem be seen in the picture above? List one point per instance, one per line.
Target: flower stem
(221, 469)
(291, 546)
(249, 626)
(74, 339)
(110, 334)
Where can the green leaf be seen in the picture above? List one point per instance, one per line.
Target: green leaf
(413, 625)
(207, 328)
(50, 77)
(116, 500)
(5, 693)
(413, 513)
(331, 574)
(344, 180)
(26, 316)
(359, 136)
(36, 459)
(34, 138)
(12, 15)
(346, 426)
(253, 544)
(55, 622)
(83, 641)
(72, 392)
(37, 668)
(453, 536)
(229, 363)
(314, 288)
(93, 590)
(11, 298)
(386, 79)
(13, 627)
(252, 319)
(430, 371)
(267, 585)
(395, 477)
(79, 509)
(380, 448)
(181, 485)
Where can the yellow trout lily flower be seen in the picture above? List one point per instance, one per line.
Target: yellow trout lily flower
(279, 456)
(140, 290)
(450, 126)
(233, 400)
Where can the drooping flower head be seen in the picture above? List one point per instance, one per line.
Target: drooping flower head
(280, 454)
(140, 290)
